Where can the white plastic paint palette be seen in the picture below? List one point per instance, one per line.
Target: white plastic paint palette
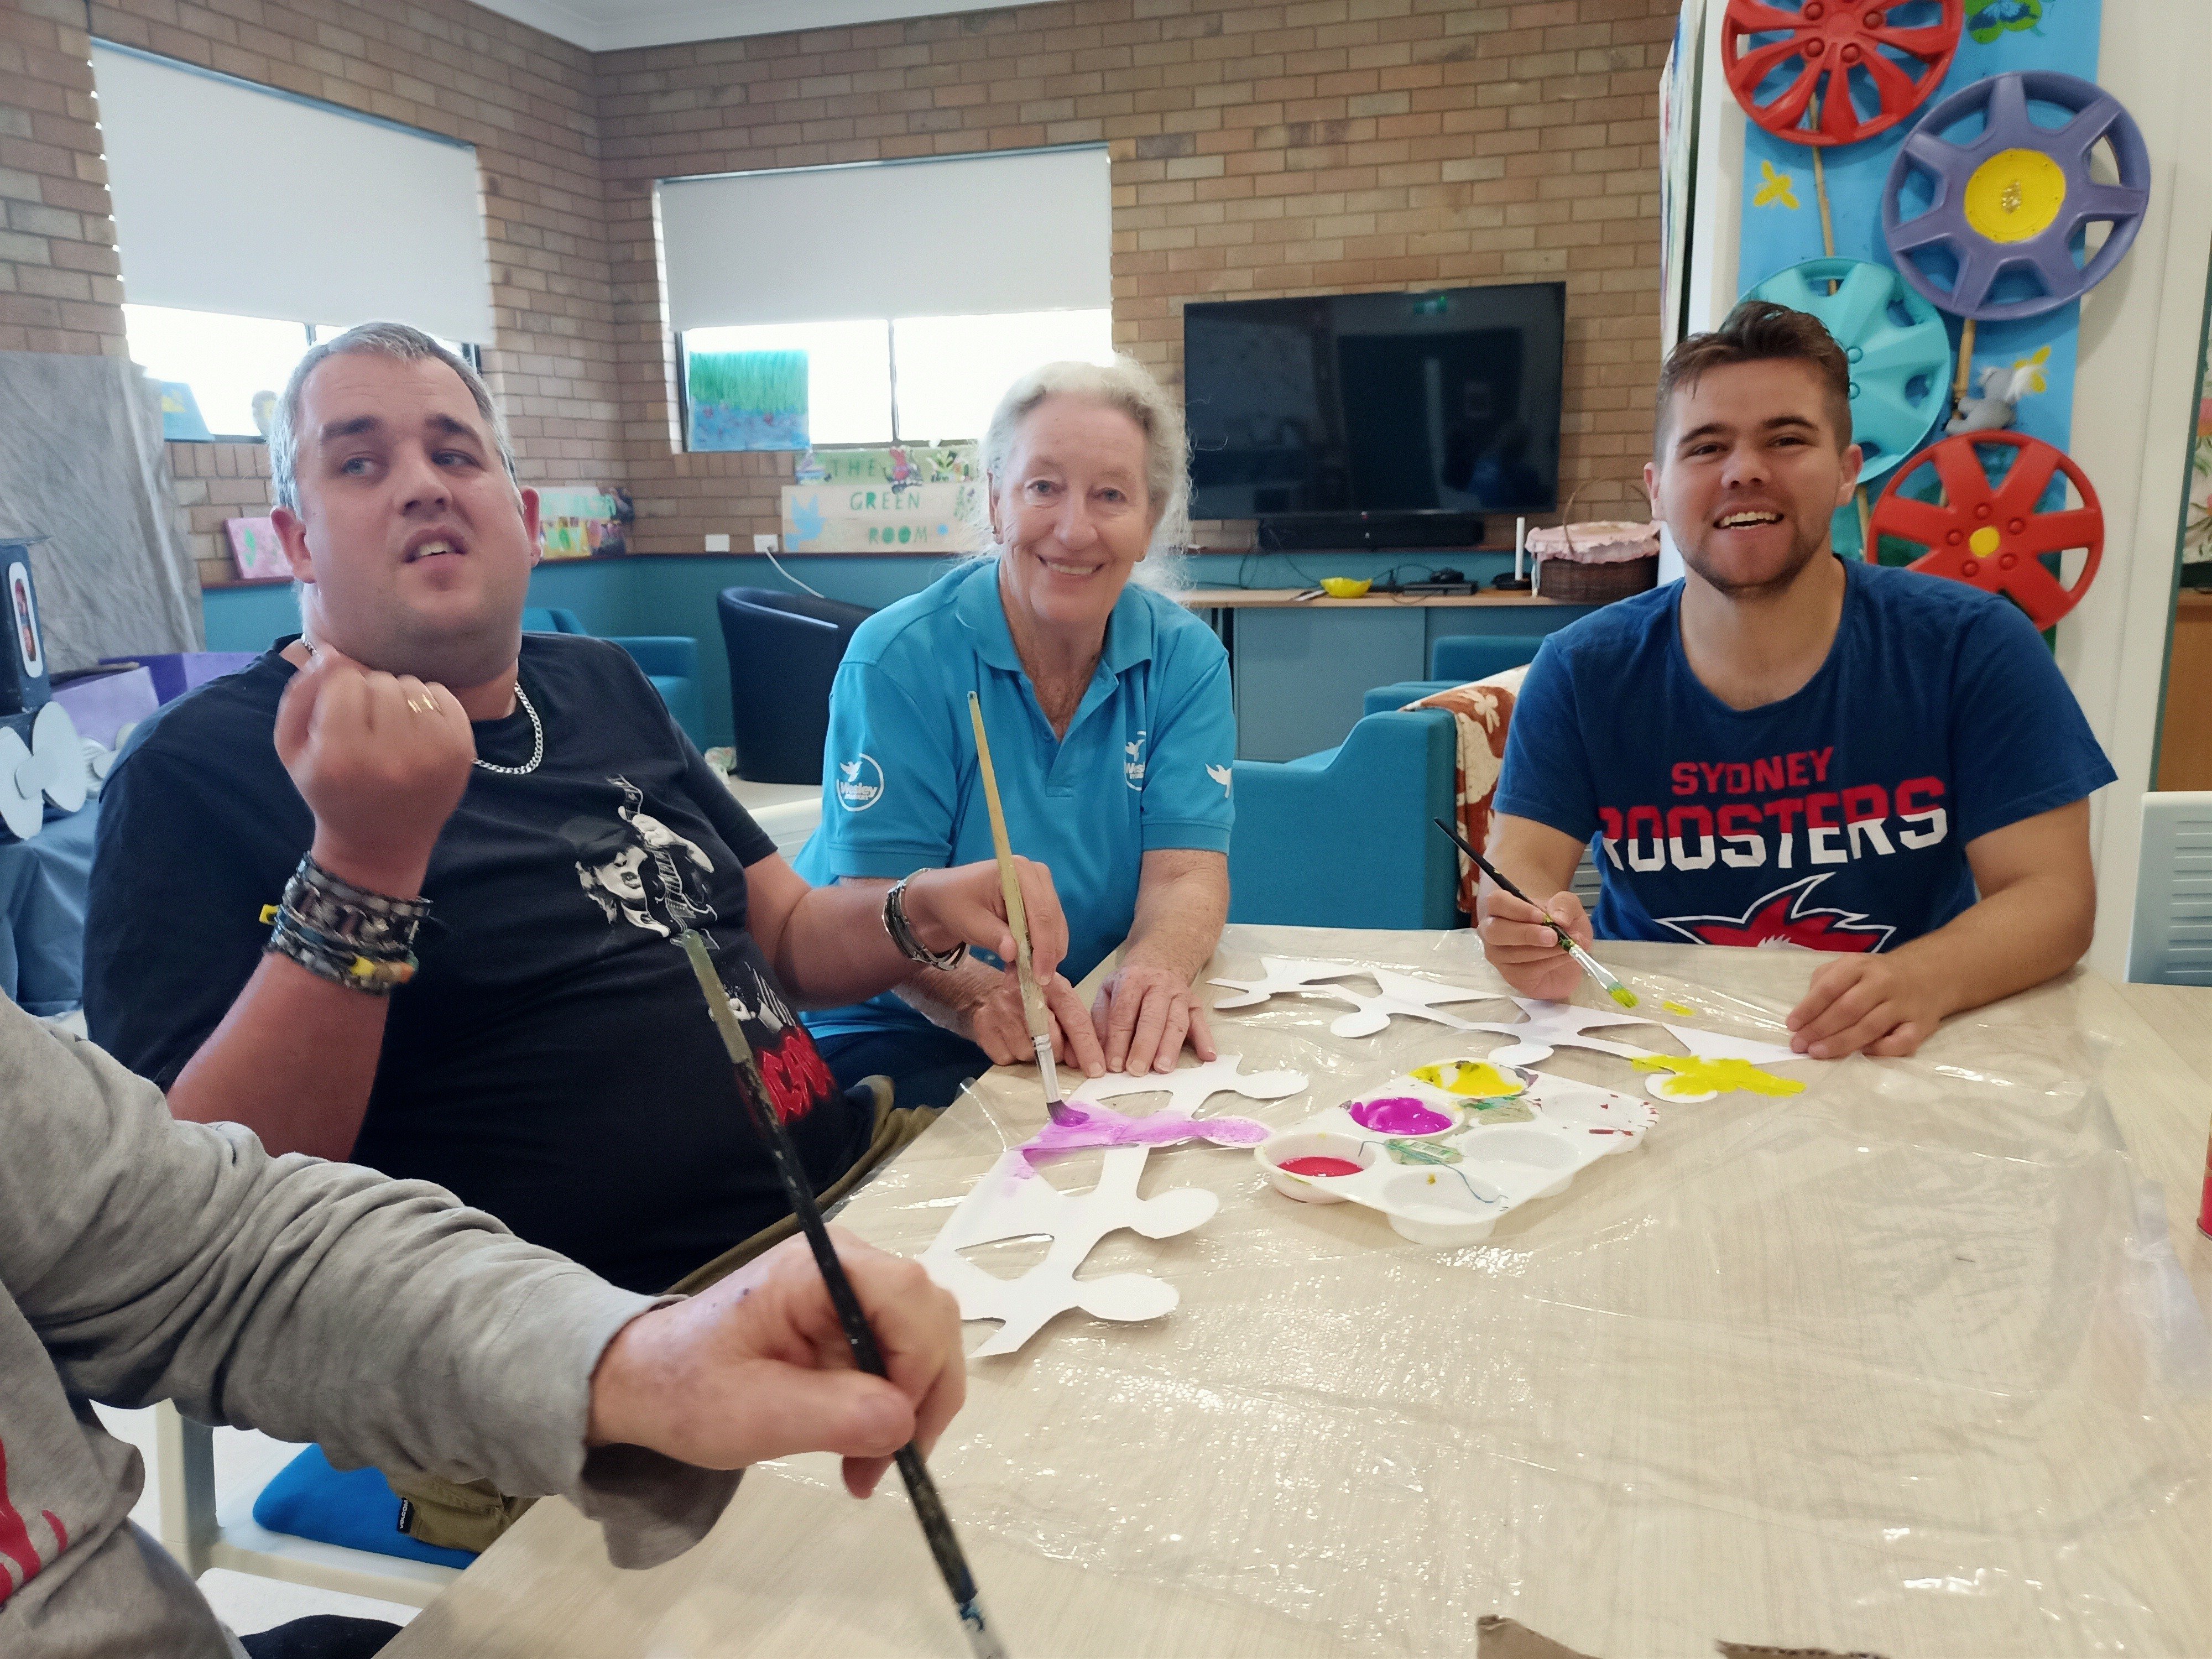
(1443, 1163)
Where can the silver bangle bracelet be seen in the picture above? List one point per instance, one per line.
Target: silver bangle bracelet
(901, 931)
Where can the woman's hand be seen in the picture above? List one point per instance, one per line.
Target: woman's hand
(998, 1026)
(968, 901)
(1144, 1015)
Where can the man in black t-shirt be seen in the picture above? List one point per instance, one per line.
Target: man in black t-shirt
(549, 1060)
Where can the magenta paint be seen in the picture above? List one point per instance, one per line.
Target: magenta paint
(1090, 1125)
(1318, 1166)
(1400, 1115)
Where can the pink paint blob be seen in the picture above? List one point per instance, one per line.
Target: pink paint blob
(1318, 1166)
(1090, 1125)
(1400, 1115)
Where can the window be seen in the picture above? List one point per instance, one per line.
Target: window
(841, 384)
(227, 361)
(755, 261)
(912, 380)
(234, 197)
(953, 370)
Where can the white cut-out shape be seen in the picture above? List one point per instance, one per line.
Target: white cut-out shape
(1281, 975)
(1011, 1201)
(1415, 999)
(1656, 1086)
(1190, 1087)
(1552, 1025)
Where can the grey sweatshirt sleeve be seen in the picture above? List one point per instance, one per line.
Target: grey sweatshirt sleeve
(313, 1301)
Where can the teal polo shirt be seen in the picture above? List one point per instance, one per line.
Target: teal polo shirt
(1145, 763)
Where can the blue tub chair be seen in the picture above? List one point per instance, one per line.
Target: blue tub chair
(1343, 838)
(671, 661)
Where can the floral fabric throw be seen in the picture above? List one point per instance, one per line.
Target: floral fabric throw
(1481, 712)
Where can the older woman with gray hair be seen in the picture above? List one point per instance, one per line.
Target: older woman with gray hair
(1111, 730)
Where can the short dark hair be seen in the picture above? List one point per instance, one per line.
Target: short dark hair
(1758, 332)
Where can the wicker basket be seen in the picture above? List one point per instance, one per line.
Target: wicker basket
(1595, 563)
(1571, 582)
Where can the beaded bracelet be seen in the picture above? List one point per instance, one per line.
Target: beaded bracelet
(345, 933)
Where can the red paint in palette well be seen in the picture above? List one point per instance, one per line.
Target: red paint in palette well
(1318, 1166)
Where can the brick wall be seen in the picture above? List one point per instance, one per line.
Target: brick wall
(1258, 150)
(58, 277)
(524, 99)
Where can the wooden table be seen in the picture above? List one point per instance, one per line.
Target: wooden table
(1897, 1364)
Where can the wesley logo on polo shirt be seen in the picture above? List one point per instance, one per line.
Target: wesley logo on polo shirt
(1220, 774)
(1133, 769)
(860, 784)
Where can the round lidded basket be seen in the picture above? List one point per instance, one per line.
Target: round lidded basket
(1594, 562)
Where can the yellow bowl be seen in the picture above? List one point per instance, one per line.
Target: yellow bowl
(1345, 587)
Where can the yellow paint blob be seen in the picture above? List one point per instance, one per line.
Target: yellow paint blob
(2015, 195)
(1478, 1079)
(1681, 1008)
(1983, 542)
(1694, 1076)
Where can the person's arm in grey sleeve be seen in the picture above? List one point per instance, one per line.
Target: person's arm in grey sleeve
(158, 1258)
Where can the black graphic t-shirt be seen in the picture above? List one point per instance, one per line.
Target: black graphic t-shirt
(552, 1062)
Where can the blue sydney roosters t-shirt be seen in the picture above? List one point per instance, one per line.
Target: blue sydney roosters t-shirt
(1838, 818)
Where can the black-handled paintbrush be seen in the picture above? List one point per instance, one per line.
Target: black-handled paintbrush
(1588, 963)
(936, 1525)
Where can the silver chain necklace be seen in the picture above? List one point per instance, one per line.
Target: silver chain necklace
(537, 729)
(537, 738)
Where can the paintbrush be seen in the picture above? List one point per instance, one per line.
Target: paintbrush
(1590, 964)
(936, 1525)
(1010, 883)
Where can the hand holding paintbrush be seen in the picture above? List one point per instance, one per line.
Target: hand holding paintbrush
(1607, 981)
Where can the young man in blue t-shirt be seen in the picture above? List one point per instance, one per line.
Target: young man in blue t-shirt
(1785, 747)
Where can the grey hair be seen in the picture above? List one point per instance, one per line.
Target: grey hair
(1125, 384)
(396, 340)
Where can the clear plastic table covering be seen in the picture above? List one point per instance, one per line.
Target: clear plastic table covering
(1904, 1362)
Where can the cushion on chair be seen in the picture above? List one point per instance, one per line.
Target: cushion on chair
(357, 1509)
(1482, 713)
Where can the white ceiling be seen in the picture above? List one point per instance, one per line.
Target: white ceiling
(616, 25)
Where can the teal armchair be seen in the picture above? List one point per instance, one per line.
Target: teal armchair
(671, 661)
(1343, 838)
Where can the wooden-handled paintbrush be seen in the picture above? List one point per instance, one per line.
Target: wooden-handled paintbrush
(1590, 964)
(1038, 1016)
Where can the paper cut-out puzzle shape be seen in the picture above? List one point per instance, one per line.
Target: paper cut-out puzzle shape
(1395, 993)
(1190, 1087)
(1688, 1079)
(1280, 975)
(1011, 1202)
(1565, 1025)
(1086, 1123)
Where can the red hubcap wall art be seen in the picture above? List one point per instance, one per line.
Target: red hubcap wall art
(1991, 534)
(1834, 45)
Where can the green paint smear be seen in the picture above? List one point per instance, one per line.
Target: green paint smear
(1503, 1111)
(1418, 1152)
(1694, 1076)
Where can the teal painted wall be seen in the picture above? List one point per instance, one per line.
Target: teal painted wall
(676, 595)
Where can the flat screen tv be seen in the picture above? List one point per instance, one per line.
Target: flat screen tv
(1440, 402)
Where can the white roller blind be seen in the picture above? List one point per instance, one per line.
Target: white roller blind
(964, 236)
(231, 198)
